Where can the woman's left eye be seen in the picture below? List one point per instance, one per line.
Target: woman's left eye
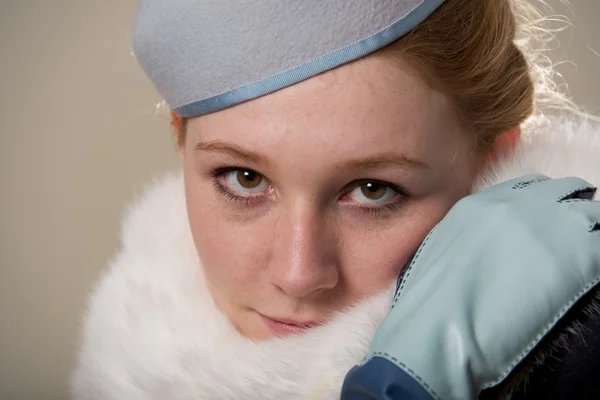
(373, 193)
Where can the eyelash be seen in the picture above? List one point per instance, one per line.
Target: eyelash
(395, 205)
(224, 191)
(385, 208)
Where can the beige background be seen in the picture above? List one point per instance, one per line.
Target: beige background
(78, 136)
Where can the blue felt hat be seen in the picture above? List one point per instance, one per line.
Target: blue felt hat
(206, 55)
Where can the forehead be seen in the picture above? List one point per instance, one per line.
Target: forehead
(366, 106)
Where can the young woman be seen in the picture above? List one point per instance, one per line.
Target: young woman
(320, 143)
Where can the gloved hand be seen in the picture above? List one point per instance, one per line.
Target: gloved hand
(486, 285)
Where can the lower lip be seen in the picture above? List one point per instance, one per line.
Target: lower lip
(281, 329)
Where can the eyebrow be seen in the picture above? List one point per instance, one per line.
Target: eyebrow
(383, 160)
(371, 162)
(235, 151)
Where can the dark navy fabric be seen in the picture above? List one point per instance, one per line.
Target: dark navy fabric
(380, 379)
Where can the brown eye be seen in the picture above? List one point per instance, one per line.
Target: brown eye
(248, 178)
(373, 191)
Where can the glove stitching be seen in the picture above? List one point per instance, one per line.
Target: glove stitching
(543, 333)
(522, 185)
(410, 267)
(409, 371)
(574, 201)
(571, 192)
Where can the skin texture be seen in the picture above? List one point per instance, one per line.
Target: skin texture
(306, 241)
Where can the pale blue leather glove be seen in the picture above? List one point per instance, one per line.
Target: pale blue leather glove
(486, 285)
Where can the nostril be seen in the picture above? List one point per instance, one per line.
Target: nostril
(595, 227)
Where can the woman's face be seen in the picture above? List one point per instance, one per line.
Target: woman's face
(307, 200)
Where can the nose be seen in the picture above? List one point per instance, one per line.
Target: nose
(304, 258)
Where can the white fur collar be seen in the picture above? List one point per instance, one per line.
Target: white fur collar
(153, 332)
(561, 148)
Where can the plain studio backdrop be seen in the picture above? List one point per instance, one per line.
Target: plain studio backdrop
(78, 137)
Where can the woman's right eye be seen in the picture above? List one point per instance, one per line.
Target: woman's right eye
(244, 182)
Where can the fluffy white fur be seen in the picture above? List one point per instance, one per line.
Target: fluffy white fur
(561, 148)
(153, 332)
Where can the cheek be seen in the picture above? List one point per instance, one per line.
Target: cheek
(374, 260)
(231, 254)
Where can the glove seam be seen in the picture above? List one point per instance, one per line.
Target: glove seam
(410, 267)
(543, 333)
(574, 201)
